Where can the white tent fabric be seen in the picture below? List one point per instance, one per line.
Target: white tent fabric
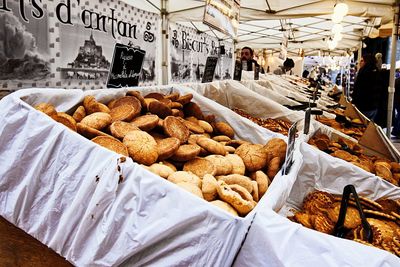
(307, 21)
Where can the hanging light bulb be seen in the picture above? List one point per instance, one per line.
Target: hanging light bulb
(341, 9)
(337, 28)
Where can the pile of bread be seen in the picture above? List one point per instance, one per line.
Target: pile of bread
(353, 153)
(356, 130)
(171, 136)
(320, 211)
(275, 125)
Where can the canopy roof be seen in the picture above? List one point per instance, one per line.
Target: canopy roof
(308, 22)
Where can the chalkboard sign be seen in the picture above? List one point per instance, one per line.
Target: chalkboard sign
(126, 66)
(237, 73)
(256, 72)
(290, 149)
(209, 69)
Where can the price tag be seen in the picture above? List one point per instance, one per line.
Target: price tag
(307, 119)
(209, 69)
(256, 72)
(126, 66)
(290, 149)
(237, 73)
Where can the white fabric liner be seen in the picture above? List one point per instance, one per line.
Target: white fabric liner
(275, 240)
(49, 189)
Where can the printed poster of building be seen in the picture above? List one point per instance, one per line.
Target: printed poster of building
(189, 51)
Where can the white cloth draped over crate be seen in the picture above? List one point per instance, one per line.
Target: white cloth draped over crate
(63, 189)
(273, 240)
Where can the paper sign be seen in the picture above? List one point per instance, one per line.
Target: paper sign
(126, 66)
(209, 69)
(222, 15)
(290, 149)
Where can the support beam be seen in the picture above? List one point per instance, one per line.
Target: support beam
(391, 88)
(164, 42)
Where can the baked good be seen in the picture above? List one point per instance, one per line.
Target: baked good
(141, 147)
(167, 147)
(157, 96)
(352, 219)
(254, 156)
(273, 167)
(138, 95)
(238, 179)
(97, 120)
(146, 122)
(79, 113)
(160, 109)
(225, 206)
(209, 187)
(206, 126)
(92, 106)
(112, 144)
(200, 167)
(185, 99)
(236, 196)
(211, 146)
(222, 165)
(161, 169)
(173, 96)
(182, 176)
(65, 119)
(221, 138)
(193, 127)
(46, 108)
(123, 113)
(238, 166)
(229, 149)
(129, 100)
(254, 193)
(186, 153)
(88, 131)
(191, 188)
(192, 109)
(173, 127)
(262, 181)
(276, 147)
(224, 129)
(120, 128)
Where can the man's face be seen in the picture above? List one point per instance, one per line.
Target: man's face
(246, 54)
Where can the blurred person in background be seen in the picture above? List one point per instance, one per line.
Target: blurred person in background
(367, 87)
(247, 58)
(288, 65)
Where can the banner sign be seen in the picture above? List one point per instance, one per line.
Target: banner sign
(189, 51)
(222, 15)
(126, 66)
(209, 69)
(70, 43)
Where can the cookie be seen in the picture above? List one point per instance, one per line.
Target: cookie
(157, 96)
(236, 196)
(254, 156)
(209, 187)
(225, 206)
(238, 179)
(192, 109)
(92, 106)
(193, 127)
(119, 129)
(138, 95)
(186, 153)
(273, 167)
(161, 169)
(160, 109)
(123, 113)
(169, 164)
(224, 129)
(185, 99)
(352, 219)
(211, 146)
(173, 127)
(182, 176)
(254, 193)
(173, 96)
(304, 219)
(89, 132)
(146, 122)
(46, 108)
(238, 166)
(200, 167)
(262, 181)
(191, 188)
(65, 119)
(112, 144)
(167, 147)
(222, 165)
(276, 147)
(142, 147)
(230, 149)
(97, 120)
(221, 138)
(206, 126)
(79, 113)
(129, 100)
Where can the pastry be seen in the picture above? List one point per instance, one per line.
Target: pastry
(211, 146)
(160, 109)
(79, 113)
(92, 106)
(192, 109)
(97, 120)
(157, 96)
(161, 169)
(262, 181)
(138, 97)
(190, 188)
(89, 132)
(238, 179)
(352, 219)
(146, 122)
(236, 196)
(276, 147)
(173, 127)
(123, 113)
(222, 165)
(221, 138)
(193, 127)
(120, 128)
(167, 147)
(129, 100)
(209, 187)
(200, 167)
(141, 147)
(112, 144)
(254, 156)
(224, 129)
(225, 206)
(254, 192)
(185, 99)
(186, 153)
(66, 120)
(46, 108)
(206, 126)
(182, 176)
(173, 96)
(273, 167)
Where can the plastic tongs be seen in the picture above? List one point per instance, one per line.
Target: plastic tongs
(340, 230)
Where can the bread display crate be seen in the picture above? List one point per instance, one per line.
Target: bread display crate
(96, 208)
(281, 242)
